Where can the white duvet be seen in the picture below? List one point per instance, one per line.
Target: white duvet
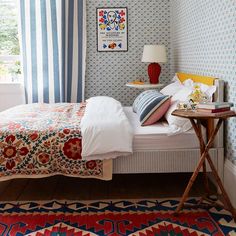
(106, 131)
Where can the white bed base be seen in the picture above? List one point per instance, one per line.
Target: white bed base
(173, 160)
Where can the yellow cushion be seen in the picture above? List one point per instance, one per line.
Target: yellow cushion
(196, 78)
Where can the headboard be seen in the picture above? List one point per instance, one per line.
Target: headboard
(196, 78)
(218, 96)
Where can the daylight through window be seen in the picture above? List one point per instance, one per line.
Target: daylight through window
(10, 69)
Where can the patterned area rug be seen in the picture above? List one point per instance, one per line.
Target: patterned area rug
(116, 217)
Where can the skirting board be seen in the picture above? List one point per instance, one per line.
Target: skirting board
(230, 180)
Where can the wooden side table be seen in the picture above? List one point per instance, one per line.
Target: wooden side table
(197, 119)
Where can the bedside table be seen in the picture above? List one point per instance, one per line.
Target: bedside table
(197, 119)
(145, 86)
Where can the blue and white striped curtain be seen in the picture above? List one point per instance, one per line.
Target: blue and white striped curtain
(53, 38)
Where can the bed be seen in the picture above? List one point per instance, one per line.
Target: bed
(46, 140)
(156, 152)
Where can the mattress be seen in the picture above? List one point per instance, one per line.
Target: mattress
(157, 136)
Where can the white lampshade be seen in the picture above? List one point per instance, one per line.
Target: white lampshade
(154, 53)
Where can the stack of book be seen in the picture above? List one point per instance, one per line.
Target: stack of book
(214, 107)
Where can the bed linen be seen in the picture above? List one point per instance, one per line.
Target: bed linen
(105, 129)
(40, 140)
(156, 137)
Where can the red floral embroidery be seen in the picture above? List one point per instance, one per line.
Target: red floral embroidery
(10, 165)
(72, 148)
(10, 139)
(47, 144)
(43, 158)
(30, 166)
(24, 151)
(12, 151)
(91, 165)
(61, 135)
(34, 136)
(9, 152)
(66, 131)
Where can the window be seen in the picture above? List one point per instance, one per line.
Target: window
(10, 69)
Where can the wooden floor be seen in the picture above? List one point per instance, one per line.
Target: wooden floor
(130, 186)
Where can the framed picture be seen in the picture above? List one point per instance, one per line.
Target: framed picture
(112, 29)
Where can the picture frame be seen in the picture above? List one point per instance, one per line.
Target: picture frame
(112, 29)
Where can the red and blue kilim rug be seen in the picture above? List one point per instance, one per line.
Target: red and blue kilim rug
(117, 217)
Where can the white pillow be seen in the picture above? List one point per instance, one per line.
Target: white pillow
(176, 124)
(172, 88)
(181, 95)
(207, 89)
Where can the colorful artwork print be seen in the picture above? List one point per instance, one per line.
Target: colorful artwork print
(112, 29)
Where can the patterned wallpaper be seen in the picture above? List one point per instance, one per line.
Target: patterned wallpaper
(108, 72)
(204, 42)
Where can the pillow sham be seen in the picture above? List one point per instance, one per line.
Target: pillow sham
(187, 92)
(176, 124)
(172, 88)
(204, 88)
(181, 95)
(176, 86)
(150, 106)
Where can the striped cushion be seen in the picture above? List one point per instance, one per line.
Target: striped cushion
(150, 106)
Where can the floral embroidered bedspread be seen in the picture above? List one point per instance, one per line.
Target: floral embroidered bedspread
(39, 140)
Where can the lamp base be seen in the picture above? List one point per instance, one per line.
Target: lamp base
(154, 71)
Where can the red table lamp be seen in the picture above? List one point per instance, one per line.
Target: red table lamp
(154, 54)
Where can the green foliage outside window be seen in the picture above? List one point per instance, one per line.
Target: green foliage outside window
(9, 41)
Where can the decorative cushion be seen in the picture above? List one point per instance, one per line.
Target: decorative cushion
(150, 106)
(158, 113)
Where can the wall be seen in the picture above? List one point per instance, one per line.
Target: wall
(11, 95)
(204, 42)
(108, 72)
